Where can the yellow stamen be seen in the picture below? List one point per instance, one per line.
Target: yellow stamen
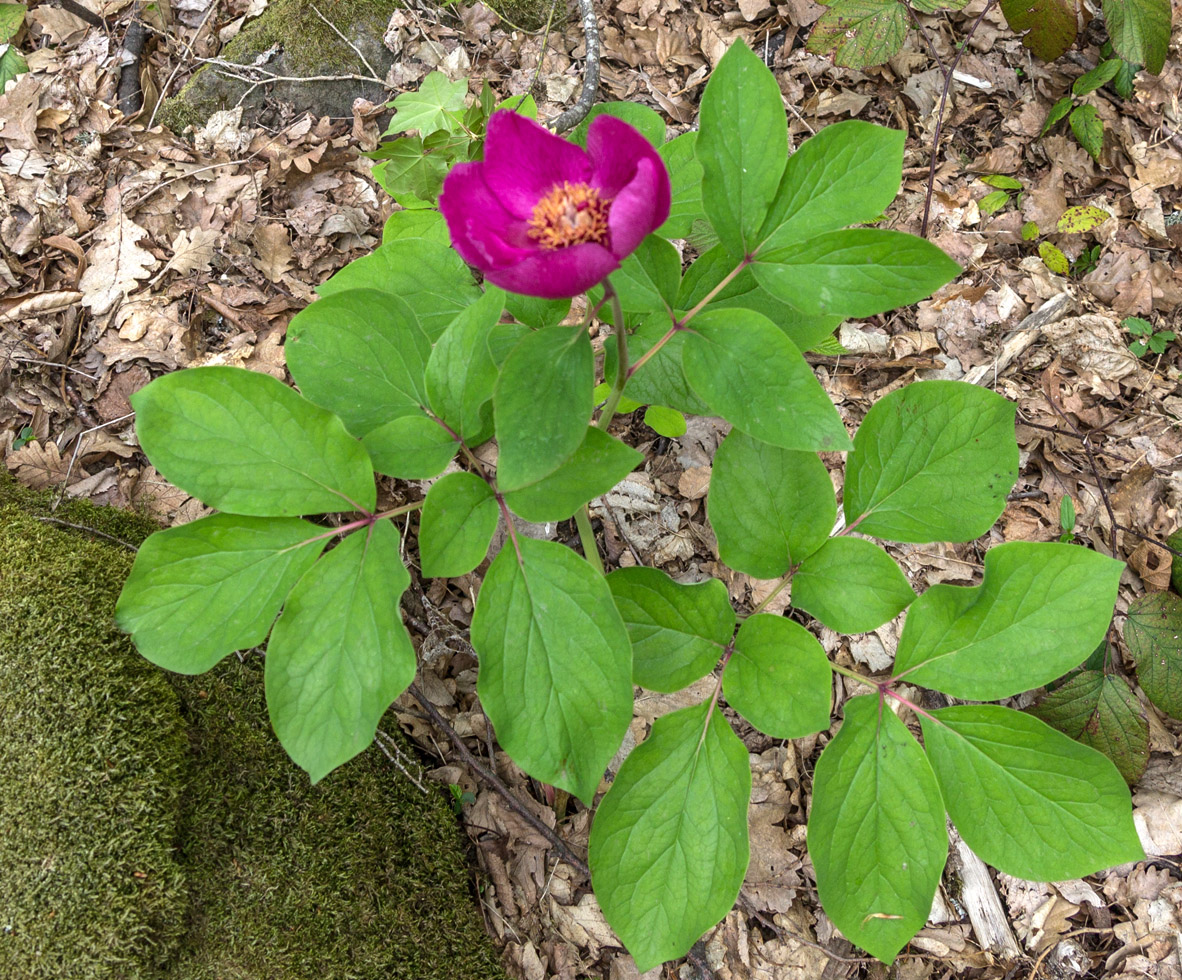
(570, 214)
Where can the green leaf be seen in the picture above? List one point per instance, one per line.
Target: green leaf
(1026, 798)
(428, 108)
(1040, 611)
(856, 273)
(1029, 231)
(1152, 632)
(12, 64)
(641, 117)
(678, 632)
(1002, 181)
(1053, 258)
(1049, 26)
(1058, 112)
(410, 175)
(555, 664)
(361, 354)
(416, 224)
(778, 678)
(1102, 712)
(243, 442)
(1066, 514)
(749, 372)
(459, 517)
(536, 312)
(685, 179)
(667, 422)
(742, 145)
(770, 508)
(430, 278)
(876, 834)
(413, 447)
(597, 465)
(847, 174)
(205, 589)
(860, 33)
(1088, 128)
(12, 16)
(932, 461)
(1098, 76)
(339, 655)
(994, 202)
(1175, 541)
(542, 404)
(648, 279)
(1081, 218)
(461, 373)
(1140, 30)
(851, 585)
(661, 380)
(1123, 81)
(668, 846)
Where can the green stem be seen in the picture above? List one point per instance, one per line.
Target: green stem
(617, 392)
(587, 538)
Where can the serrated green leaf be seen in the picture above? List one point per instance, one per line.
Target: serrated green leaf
(860, 33)
(459, 517)
(749, 372)
(555, 664)
(1001, 181)
(596, 466)
(1053, 258)
(1026, 798)
(429, 277)
(1175, 541)
(428, 108)
(243, 442)
(1081, 218)
(770, 508)
(410, 175)
(994, 202)
(640, 117)
(855, 273)
(1040, 610)
(847, 174)
(362, 355)
(1048, 26)
(678, 631)
(1058, 112)
(685, 180)
(205, 589)
(778, 678)
(1100, 711)
(876, 833)
(1089, 81)
(933, 461)
(542, 404)
(667, 422)
(851, 585)
(668, 846)
(535, 311)
(461, 373)
(1140, 30)
(12, 16)
(339, 655)
(1152, 631)
(1123, 80)
(1088, 128)
(742, 146)
(413, 447)
(12, 65)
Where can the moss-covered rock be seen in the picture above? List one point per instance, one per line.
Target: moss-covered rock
(151, 826)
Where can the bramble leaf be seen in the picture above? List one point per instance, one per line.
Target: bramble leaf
(860, 33)
(851, 585)
(669, 847)
(459, 517)
(1058, 112)
(1140, 30)
(1152, 631)
(1048, 26)
(12, 16)
(876, 832)
(1026, 798)
(1088, 128)
(1090, 81)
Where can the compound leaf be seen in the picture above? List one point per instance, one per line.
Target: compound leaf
(933, 461)
(678, 632)
(1026, 798)
(243, 442)
(461, 373)
(669, 846)
(648, 279)
(778, 678)
(555, 664)
(685, 179)
(1040, 610)
(770, 508)
(413, 447)
(339, 655)
(1152, 631)
(459, 518)
(876, 833)
(205, 589)
(851, 585)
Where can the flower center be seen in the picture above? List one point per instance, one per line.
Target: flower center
(570, 214)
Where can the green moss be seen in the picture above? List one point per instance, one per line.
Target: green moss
(152, 826)
(530, 14)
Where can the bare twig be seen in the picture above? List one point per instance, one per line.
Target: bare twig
(392, 752)
(180, 63)
(336, 30)
(576, 113)
(89, 530)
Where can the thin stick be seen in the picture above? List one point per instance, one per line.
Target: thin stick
(180, 63)
(336, 31)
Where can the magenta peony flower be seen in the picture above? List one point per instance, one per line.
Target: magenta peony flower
(540, 216)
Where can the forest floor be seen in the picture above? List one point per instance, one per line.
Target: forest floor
(128, 250)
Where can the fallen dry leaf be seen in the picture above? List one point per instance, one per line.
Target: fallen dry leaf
(117, 263)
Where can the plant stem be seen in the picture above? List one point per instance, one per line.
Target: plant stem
(587, 538)
(617, 392)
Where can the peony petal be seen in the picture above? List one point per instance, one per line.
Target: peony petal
(482, 231)
(640, 208)
(615, 148)
(556, 274)
(523, 161)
